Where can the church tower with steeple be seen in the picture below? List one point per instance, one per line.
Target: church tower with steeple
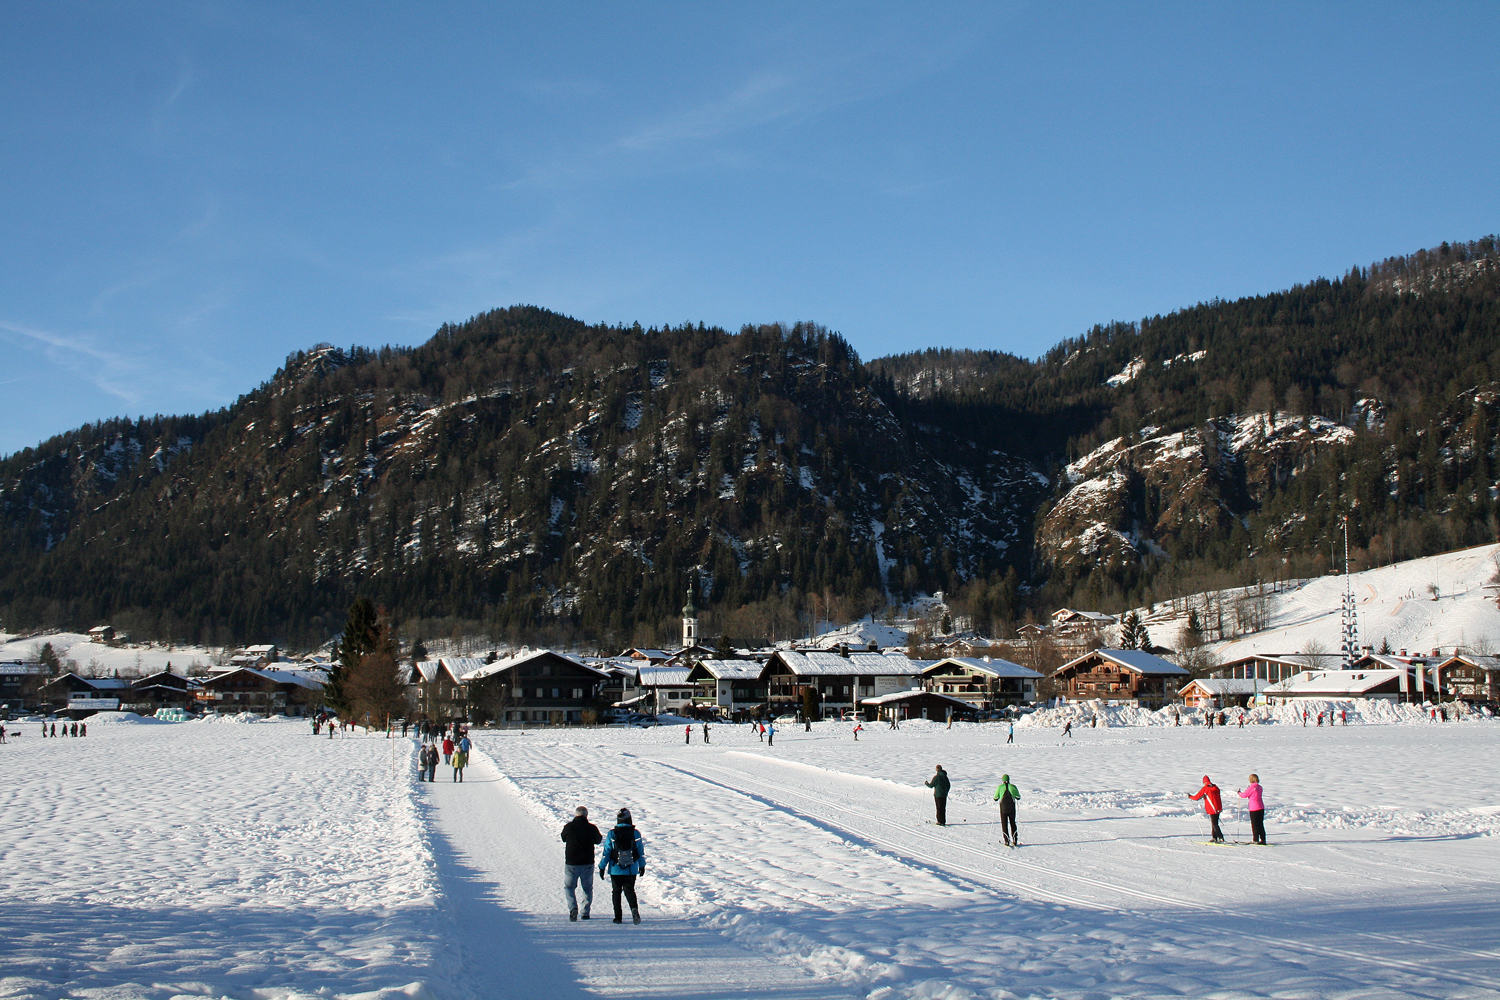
(689, 620)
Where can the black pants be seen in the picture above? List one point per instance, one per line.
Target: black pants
(1257, 826)
(1218, 834)
(1008, 826)
(942, 810)
(625, 884)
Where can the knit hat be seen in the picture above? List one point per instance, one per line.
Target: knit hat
(1004, 778)
(623, 817)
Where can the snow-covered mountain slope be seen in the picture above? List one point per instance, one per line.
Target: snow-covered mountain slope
(1445, 602)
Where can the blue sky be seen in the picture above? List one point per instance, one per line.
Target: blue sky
(193, 191)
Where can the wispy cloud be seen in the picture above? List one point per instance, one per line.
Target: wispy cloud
(109, 371)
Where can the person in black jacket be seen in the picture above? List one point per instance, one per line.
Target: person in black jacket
(939, 784)
(578, 861)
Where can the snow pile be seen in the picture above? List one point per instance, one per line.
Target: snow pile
(1359, 712)
(122, 719)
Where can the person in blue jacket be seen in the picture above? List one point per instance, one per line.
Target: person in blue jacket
(623, 858)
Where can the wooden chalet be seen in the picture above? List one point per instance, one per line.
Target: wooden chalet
(1267, 668)
(1469, 676)
(161, 690)
(840, 681)
(987, 682)
(1120, 675)
(1398, 684)
(1220, 692)
(270, 692)
(535, 688)
(80, 696)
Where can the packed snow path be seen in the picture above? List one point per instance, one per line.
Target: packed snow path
(502, 874)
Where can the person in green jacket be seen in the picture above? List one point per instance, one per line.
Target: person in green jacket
(460, 761)
(939, 785)
(1008, 795)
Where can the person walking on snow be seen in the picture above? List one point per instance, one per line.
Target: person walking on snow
(432, 761)
(581, 836)
(687, 731)
(460, 761)
(705, 732)
(1255, 804)
(447, 749)
(1010, 736)
(422, 763)
(771, 734)
(1068, 729)
(857, 728)
(1008, 795)
(624, 857)
(1212, 805)
(464, 744)
(939, 784)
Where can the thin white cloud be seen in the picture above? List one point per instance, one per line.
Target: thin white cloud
(108, 371)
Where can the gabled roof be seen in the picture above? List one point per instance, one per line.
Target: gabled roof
(1224, 685)
(1335, 682)
(460, 665)
(503, 664)
(1136, 660)
(730, 670)
(312, 680)
(886, 699)
(427, 670)
(990, 666)
(1480, 660)
(656, 676)
(1074, 615)
(637, 653)
(816, 663)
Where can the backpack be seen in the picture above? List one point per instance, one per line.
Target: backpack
(623, 855)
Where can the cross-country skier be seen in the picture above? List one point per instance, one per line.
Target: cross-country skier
(687, 731)
(939, 784)
(1008, 795)
(1068, 729)
(1255, 805)
(1212, 805)
(771, 734)
(1010, 736)
(705, 732)
(857, 728)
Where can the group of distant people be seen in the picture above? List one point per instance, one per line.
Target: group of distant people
(455, 753)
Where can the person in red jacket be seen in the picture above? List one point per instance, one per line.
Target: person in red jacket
(447, 749)
(1212, 805)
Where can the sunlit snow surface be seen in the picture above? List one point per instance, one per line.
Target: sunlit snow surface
(251, 860)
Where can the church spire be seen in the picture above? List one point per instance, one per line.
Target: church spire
(689, 619)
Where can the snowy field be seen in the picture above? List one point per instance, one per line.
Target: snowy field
(252, 861)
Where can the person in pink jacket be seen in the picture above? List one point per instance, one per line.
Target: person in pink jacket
(1212, 805)
(1255, 804)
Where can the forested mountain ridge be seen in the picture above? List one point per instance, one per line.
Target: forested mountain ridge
(523, 472)
(515, 469)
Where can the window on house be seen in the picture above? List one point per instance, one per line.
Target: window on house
(557, 692)
(578, 692)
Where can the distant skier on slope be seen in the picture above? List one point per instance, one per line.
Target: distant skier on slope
(1212, 805)
(939, 784)
(1068, 729)
(1255, 804)
(1008, 795)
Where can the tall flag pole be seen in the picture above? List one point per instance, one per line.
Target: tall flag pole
(1351, 613)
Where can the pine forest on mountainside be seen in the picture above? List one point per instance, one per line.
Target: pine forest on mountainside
(545, 480)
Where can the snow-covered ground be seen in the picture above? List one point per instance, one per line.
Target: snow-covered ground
(1397, 606)
(95, 659)
(250, 860)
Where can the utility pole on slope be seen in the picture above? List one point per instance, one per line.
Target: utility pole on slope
(1351, 613)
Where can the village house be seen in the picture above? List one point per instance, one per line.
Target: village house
(1220, 692)
(1125, 675)
(664, 689)
(255, 656)
(160, 690)
(1070, 621)
(839, 681)
(1268, 668)
(81, 696)
(102, 633)
(535, 688)
(434, 690)
(646, 655)
(987, 682)
(1396, 684)
(20, 685)
(620, 685)
(729, 686)
(269, 692)
(916, 704)
(1470, 676)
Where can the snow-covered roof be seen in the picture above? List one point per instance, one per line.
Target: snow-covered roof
(260, 649)
(733, 670)
(482, 669)
(460, 665)
(1137, 660)
(310, 679)
(648, 654)
(886, 699)
(1335, 682)
(21, 668)
(428, 669)
(818, 663)
(663, 676)
(1479, 660)
(1224, 685)
(992, 666)
(1072, 614)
